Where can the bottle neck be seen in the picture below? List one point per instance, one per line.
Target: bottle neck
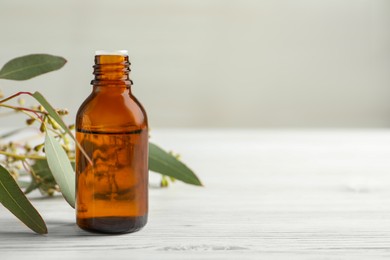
(111, 70)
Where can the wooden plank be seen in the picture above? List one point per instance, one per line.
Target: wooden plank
(271, 194)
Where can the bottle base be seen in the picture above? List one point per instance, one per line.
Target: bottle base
(112, 225)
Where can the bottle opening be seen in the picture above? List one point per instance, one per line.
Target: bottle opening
(111, 68)
(107, 52)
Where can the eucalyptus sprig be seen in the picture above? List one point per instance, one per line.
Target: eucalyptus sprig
(50, 163)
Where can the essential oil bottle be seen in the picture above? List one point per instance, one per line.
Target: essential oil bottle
(112, 129)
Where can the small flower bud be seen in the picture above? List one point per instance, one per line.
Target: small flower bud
(54, 124)
(21, 101)
(42, 128)
(164, 182)
(38, 147)
(176, 155)
(50, 191)
(30, 121)
(66, 148)
(27, 147)
(62, 112)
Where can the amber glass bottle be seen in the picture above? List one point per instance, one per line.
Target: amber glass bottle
(112, 128)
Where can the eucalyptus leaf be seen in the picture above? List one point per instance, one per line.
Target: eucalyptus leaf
(162, 162)
(52, 112)
(41, 169)
(61, 168)
(29, 66)
(16, 202)
(46, 180)
(32, 186)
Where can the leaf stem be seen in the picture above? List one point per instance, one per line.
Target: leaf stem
(15, 95)
(23, 157)
(26, 156)
(36, 112)
(29, 169)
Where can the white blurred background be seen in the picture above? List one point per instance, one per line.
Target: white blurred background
(272, 63)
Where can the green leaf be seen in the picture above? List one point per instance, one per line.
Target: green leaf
(41, 169)
(29, 66)
(52, 112)
(15, 201)
(32, 186)
(166, 164)
(61, 168)
(46, 183)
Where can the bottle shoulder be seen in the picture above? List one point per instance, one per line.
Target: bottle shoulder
(111, 112)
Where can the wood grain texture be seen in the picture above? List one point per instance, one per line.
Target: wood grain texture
(268, 194)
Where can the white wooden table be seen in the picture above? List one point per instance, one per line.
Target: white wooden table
(268, 193)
